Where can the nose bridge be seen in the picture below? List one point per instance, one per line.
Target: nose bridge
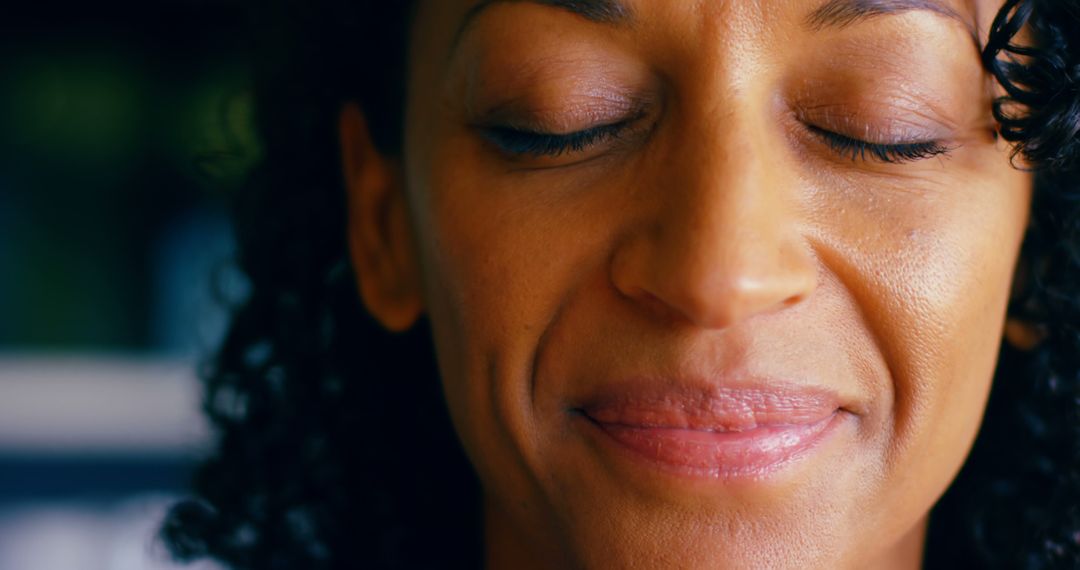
(722, 243)
(719, 193)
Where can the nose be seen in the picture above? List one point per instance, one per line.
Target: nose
(721, 240)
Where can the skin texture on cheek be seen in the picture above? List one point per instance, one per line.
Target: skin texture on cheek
(534, 283)
(933, 297)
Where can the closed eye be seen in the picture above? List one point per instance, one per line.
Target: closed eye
(523, 143)
(517, 142)
(859, 150)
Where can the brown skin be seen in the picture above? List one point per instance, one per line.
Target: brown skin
(717, 236)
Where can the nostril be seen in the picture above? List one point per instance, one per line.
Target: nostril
(658, 306)
(712, 275)
(793, 300)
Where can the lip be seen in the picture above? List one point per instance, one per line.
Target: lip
(723, 433)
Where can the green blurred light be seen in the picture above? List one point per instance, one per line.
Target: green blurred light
(215, 130)
(80, 108)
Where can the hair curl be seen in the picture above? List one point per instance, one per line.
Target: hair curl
(305, 377)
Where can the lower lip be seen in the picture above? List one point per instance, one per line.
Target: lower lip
(752, 453)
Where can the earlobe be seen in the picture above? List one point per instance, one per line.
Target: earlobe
(380, 243)
(1023, 335)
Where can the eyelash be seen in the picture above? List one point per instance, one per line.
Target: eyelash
(520, 142)
(857, 150)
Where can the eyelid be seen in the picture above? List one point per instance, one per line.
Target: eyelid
(892, 153)
(570, 115)
(521, 142)
(517, 142)
(894, 120)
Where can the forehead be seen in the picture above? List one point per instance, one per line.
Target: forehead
(441, 24)
(820, 14)
(828, 13)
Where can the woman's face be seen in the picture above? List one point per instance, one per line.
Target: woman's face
(712, 284)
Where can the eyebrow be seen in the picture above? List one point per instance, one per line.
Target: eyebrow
(611, 12)
(844, 13)
(832, 14)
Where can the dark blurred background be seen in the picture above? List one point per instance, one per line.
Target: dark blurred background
(124, 128)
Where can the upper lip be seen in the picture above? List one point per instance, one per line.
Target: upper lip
(710, 407)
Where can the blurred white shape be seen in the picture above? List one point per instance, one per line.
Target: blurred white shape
(91, 404)
(89, 537)
(51, 539)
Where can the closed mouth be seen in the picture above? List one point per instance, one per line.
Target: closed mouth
(725, 434)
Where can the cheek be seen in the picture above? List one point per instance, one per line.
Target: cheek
(499, 261)
(931, 275)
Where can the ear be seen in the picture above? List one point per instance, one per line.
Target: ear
(380, 243)
(1022, 334)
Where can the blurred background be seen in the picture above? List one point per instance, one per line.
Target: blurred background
(123, 130)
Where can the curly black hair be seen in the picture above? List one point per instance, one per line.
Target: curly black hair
(305, 375)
